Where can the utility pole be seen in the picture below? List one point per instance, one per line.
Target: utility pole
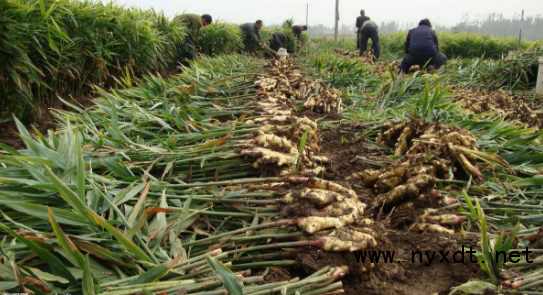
(307, 16)
(539, 85)
(520, 33)
(337, 22)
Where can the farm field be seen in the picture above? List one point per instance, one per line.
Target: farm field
(240, 174)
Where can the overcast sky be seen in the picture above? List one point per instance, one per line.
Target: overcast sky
(322, 11)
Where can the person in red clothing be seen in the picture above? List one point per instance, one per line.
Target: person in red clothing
(422, 48)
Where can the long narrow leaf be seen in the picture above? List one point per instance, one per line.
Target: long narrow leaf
(227, 277)
(126, 243)
(56, 265)
(67, 194)
(155, 273)
(88, 282)
(65, 241)
(80, 170)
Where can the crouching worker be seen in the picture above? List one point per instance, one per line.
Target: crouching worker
(278, 40)
(194, 23)
(422, 48)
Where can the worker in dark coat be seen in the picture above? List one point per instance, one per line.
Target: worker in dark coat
(193, 22)
(278, 40)
(297, 31)
(370, 30)
(251, 33)
(422, 47)
(359, 22)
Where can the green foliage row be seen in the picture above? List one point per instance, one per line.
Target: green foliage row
(219, 38)
(465, 45)
(51, 49)
(516, 71)
(61, 48)
(461, 45)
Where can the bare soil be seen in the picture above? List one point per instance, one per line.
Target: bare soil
(346, 151)
(277, 274)
(318, 117)
(405, 275)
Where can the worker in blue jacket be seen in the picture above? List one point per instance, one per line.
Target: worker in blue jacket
(422, 48)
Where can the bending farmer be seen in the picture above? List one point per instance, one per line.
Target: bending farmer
(194, 23)
(422, 47)
(370, 30)
(297, 31)
(278, 40)
(251, 33)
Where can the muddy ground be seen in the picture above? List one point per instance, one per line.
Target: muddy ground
(433, 271)
(347, 151)
(406, 275)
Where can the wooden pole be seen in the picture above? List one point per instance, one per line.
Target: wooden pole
(520, 32)
(539, 86)
(337, 22)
